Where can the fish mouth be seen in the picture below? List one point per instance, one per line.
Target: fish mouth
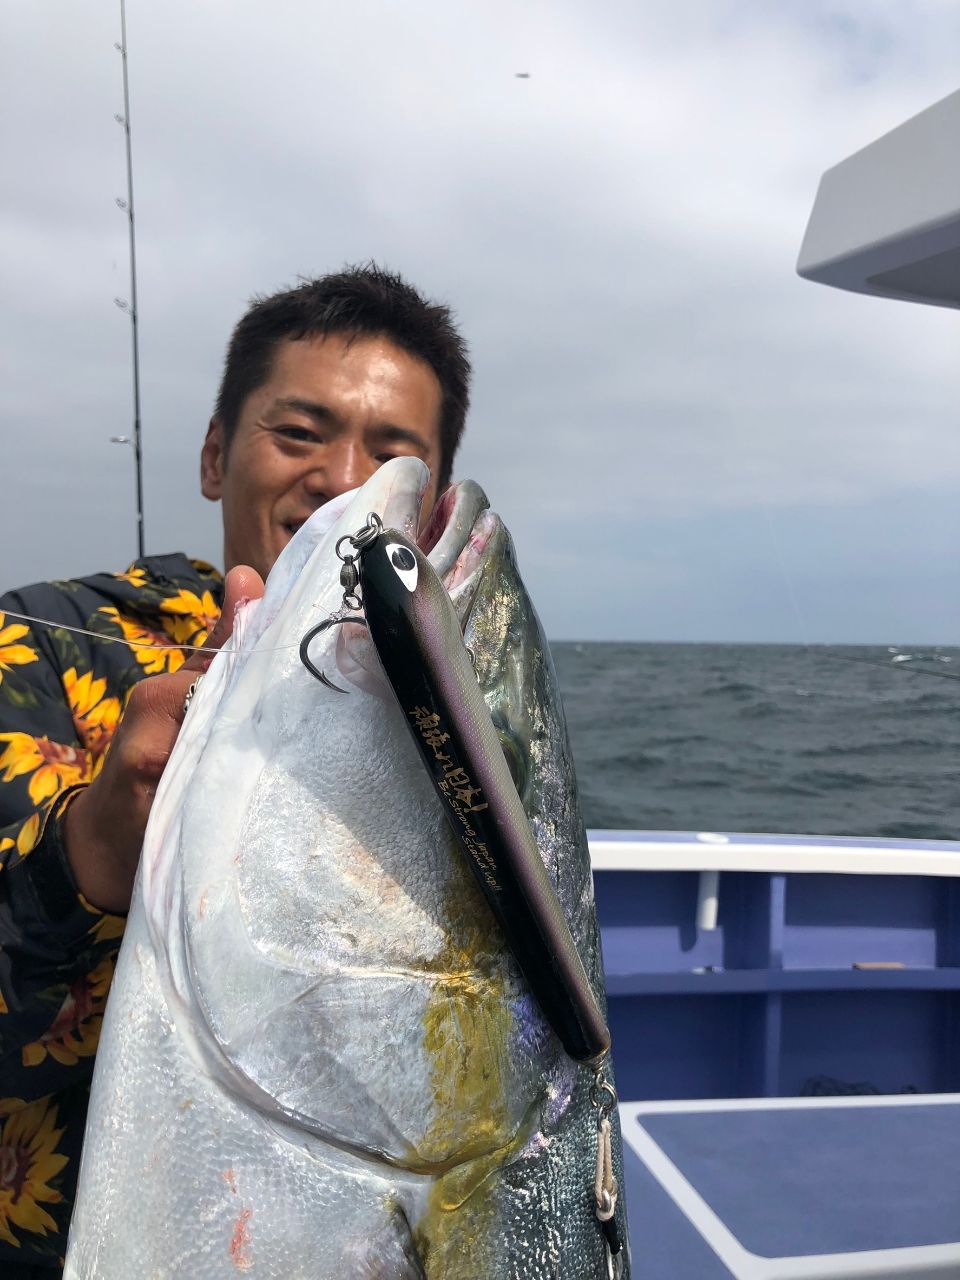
(432, 531)
(458, 537)
(455, 538)
(455, 532)
(395, 493)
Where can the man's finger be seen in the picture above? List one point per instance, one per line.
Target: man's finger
(241, 584)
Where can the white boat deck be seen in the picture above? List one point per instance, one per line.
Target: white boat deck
(794, 1188)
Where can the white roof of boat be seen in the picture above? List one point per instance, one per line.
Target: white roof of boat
(738, 851)
(886, 220)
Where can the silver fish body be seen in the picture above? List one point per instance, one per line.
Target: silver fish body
(319, 1059)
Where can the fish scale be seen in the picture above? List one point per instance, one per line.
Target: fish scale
(319, 1058)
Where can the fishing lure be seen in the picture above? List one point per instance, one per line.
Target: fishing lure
(416, 633)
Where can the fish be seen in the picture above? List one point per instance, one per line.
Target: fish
(320, 1057)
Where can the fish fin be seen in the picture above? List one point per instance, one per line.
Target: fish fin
(390, 1254)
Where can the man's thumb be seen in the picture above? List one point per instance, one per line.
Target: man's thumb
(241, 584)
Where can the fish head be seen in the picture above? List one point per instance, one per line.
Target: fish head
(452, 539)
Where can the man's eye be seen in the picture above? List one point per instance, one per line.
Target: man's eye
(303, 434)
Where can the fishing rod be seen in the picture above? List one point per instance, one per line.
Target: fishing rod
(131, 307)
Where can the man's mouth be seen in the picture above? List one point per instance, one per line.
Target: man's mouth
(292, 526)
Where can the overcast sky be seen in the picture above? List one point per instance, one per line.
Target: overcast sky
(687, 441)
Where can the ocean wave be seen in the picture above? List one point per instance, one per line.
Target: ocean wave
(716, 738)
(877, 750)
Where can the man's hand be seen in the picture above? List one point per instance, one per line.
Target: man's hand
(103, 828)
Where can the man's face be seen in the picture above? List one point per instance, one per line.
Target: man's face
(332, 411)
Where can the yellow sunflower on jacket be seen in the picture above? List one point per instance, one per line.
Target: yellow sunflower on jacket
(61, 699)
(29, 1166)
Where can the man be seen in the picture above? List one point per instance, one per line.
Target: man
(321, 385)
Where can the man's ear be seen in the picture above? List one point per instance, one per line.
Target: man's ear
(213, 462)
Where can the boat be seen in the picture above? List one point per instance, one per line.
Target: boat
(786, 1009)
(770, 966)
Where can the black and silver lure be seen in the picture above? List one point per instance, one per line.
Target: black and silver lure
(416, 633)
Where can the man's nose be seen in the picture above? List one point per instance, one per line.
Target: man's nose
(347, 465)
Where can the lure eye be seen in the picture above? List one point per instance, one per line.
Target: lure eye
(405, 563)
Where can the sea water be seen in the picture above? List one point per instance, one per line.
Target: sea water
(844, 740)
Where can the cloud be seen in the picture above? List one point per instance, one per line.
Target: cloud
(618, 234)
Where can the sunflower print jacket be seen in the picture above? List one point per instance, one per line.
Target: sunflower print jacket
(61, 698)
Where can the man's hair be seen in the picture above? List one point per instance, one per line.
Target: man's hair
(358, 300)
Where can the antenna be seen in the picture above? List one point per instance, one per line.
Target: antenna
(131, 307)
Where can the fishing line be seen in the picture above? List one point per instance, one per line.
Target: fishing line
(784, 572)
(133, 644)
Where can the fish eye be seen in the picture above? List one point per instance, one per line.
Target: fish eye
(405, 563)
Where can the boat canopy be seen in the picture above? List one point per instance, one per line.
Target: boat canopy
(886, 220)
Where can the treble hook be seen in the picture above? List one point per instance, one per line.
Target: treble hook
(310, 636)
